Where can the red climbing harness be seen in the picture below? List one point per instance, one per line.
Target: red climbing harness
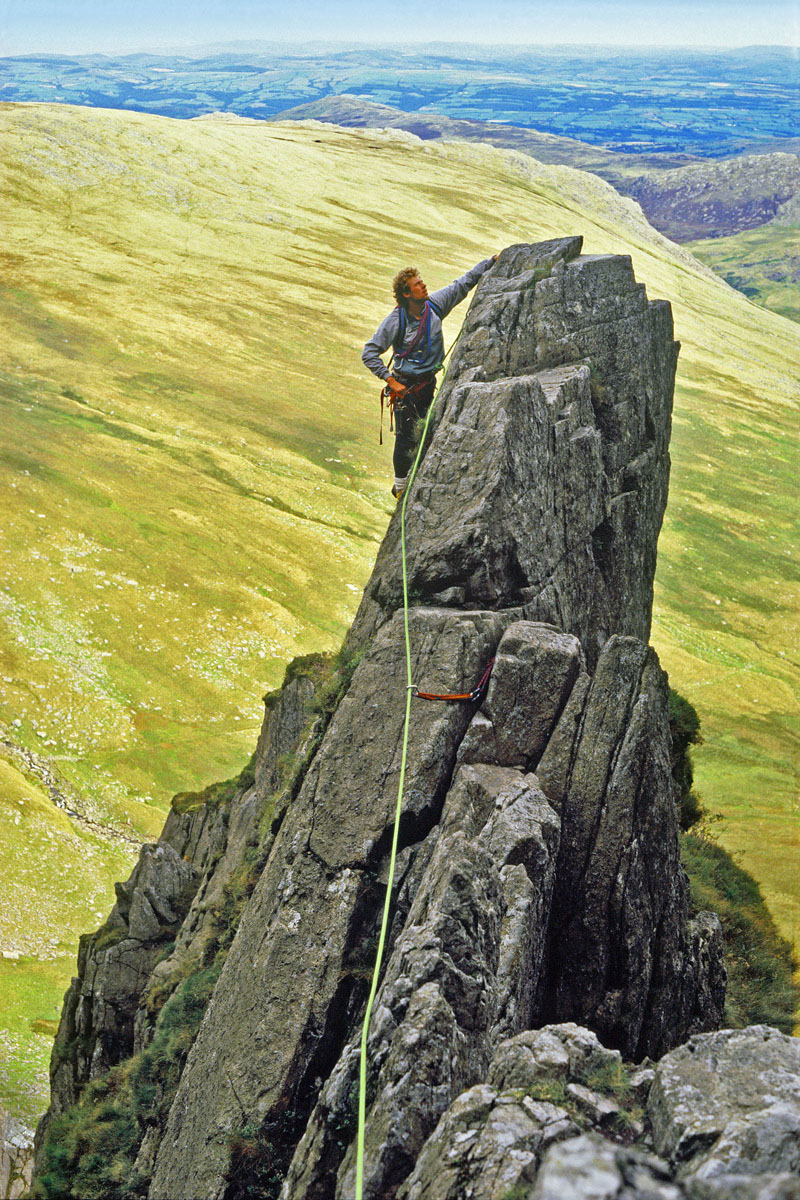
(474, 695)
(395, 399)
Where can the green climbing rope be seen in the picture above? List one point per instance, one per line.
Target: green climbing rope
(362, 1082)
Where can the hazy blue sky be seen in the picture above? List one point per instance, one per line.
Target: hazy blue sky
(76, 26)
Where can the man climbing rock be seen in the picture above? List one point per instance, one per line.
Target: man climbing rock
(414, 332)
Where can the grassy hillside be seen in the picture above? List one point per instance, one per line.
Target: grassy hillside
(735, 197)
(55, 884)
(763, 263)
(192, 481)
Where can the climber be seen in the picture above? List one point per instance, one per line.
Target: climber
(414, 331)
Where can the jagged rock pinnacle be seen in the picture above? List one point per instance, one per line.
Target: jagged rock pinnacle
(539, 879)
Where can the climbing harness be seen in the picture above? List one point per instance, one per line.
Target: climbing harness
(411, 691)
(395, 399)
(410, 355)
(411, 351)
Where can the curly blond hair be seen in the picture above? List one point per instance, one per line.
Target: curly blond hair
(401, 279)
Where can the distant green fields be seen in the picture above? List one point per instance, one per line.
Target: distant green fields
(763, 263)
(652, 100)
(193, 487)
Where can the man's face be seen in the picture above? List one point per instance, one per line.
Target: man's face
(415, 289)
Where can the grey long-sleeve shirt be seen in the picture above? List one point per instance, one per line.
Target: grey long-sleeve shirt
(424, 361)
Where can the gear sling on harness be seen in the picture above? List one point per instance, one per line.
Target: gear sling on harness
(411, 691)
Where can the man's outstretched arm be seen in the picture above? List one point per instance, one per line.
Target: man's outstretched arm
(448, 297)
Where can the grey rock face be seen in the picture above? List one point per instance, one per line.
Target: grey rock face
(485, 1147)
(590, 1168)
(564, 1052)
(540, 496)
(282, 732)
(216, 842)
(728, 1104)
(453, 944)
(723, 1114)
(16, 1157)
(114, 966)
(546, 479)
(282, 1001)
(743, 1187)
(619, 940)
(497, 1137)
(450, 988)
(171, 895)
(535, 669)
(537, 878)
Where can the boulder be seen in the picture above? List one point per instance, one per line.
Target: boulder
(728, 1104)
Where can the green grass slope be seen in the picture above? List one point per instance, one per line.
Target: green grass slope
(763, 263)
(56, 876)
(193, 487)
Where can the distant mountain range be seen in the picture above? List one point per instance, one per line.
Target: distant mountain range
(646, 121)
(652, 101)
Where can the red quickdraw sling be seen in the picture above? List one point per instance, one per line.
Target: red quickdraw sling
(472, 696)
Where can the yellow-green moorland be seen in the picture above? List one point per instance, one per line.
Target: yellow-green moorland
(194, 491)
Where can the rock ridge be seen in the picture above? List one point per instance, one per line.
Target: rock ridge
(539, 881)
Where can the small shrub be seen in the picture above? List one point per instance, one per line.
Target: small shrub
(552, 1091)
(684, 728)
(335, 683)
(108, 936)
(216, 794)
(611, 1079)
(312, 666)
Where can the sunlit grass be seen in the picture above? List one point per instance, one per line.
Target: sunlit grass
(193, 487)
(31, 995)
(57, 878)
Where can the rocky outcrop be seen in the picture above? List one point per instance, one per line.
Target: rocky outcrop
(709, 200)
(167, 915)
(721, 1114)
(16, 1157)
(538, 878)
(725, 1111)
(546, 481)
(114, 967)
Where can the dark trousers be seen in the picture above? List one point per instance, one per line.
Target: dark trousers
(407, 411)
